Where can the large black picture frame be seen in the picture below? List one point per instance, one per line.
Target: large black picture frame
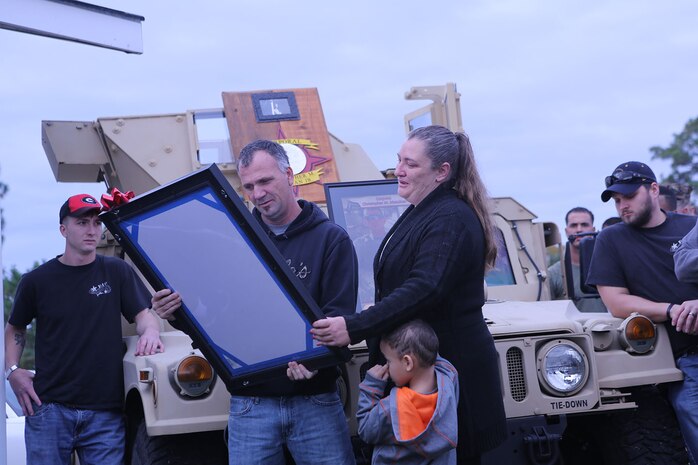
(242, 305)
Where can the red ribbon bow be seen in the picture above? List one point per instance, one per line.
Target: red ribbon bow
(115, 199)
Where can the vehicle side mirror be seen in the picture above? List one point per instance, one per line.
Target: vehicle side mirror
(586, 249)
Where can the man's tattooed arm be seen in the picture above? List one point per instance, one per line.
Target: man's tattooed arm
(15, 340)
(21, 338)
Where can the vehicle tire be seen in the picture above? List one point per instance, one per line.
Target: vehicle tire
(647, 435)
(180, 449)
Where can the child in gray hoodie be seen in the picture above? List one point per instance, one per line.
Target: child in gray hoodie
(417, 422)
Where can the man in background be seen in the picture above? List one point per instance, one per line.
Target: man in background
(667, 198)
(579, 224)
(611, 221)
(681, 194)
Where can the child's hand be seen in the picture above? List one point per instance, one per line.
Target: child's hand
(379, 372)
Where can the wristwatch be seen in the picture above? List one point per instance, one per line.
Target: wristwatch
(10, 370)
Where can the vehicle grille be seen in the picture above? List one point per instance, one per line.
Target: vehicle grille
(517, 381)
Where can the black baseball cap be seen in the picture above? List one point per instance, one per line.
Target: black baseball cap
(627, 178)
(78, 205)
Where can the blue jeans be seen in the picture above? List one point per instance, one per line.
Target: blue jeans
(683, 395)
(313, 428)
(54, 431)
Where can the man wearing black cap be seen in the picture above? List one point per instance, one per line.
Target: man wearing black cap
(633, 269)
(75, 399)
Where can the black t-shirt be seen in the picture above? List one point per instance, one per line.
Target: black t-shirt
(78, 311)
(641, 260)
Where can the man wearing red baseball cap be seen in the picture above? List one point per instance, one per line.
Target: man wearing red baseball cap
(74, 401)
(79, 205)
(633, 268)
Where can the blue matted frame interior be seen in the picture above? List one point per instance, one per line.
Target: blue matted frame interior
(241, 304)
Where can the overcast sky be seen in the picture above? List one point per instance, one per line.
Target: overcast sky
(554, 94)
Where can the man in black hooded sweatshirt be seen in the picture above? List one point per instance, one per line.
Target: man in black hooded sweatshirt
(303, 412)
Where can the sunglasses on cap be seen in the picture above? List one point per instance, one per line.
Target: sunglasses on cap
(628, 177)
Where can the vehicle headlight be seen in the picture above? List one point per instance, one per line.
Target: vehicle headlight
(193, 375)
(562, 367)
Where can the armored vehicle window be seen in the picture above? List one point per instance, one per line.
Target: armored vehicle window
(420, 121)
(503, 273)
(212, 135)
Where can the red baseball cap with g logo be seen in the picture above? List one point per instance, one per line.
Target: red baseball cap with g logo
(78, 205)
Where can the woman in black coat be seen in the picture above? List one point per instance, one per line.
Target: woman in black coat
(431, 265)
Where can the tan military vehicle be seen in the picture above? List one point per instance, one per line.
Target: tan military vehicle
(572, 382)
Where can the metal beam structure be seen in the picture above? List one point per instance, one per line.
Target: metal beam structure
(76, 22)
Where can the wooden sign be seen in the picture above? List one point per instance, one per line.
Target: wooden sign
(294, 119)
